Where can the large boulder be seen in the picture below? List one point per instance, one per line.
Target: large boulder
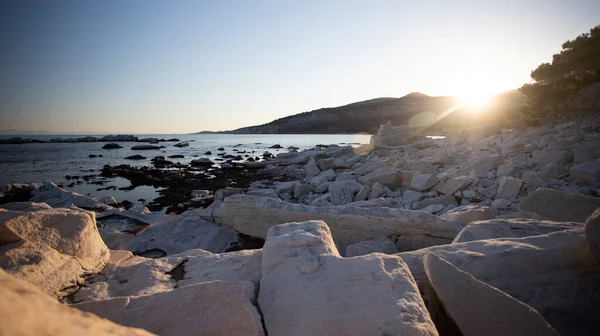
(478, 308)
(209, 308)
(554, 273)
(140, 276)
(486, 163)
(558, 206)
(466, 214)
(27, 311)
(70, 232)
(558, 157)
(254, 216)
(41, 265)
(306, 284)
(592, 234)
(511, 228)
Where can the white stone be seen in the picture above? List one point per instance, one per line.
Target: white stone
(27, 311)
(434, 208)
(511, 228)
(377, 190)
(176, 234)
(210, 308)
(377, 245)
(453, 185)
(140, 276)
(500, 203)
(305, 283)
(389, 177)
(341, 193)
(312, 168)
(69, 232)
(423, 182)
(263, 193)
(466, 214)
(509, 188)
(478, 308)
(302, 190)
(363, 193)
(323, 187)
(587, 172)
(533, 181)
(56, 197)
(254, 216)
(557, 206)
(485, 163)
(507, 169)
(40, 265)
(548, 272)
(552, 170)
(559, 157)
(371, 167)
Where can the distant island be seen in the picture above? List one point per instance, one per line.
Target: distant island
(366, 116)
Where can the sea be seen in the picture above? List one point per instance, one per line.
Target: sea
(51, 162)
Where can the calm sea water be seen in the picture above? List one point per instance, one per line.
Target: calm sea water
(40, 162)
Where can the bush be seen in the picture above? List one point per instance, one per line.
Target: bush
(575, 67)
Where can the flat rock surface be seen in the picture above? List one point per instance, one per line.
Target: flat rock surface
(254, 216)
(209, 308)
(308, 289)
(480, 309)
(553, 273)
(32, 313)
(511, 228)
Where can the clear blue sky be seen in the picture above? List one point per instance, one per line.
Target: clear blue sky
(185, 66)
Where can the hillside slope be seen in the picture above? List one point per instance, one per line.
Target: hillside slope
(366, 116)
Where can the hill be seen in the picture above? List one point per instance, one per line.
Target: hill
(366, 116)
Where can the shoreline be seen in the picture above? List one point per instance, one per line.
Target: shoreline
(495, 210)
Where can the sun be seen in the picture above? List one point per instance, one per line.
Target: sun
(475, 100)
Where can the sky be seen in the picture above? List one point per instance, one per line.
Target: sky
(143, 66)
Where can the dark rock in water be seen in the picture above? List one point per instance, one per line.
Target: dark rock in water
(293, 147)
(208, 153)
(92, 156)
(182, 144)
(68, 177)
(100, 155)
(276, 146)
(120, 137)
(15, 140)
(172, 140)
(71, 185)
(177, 156)
(135, 157)
(151, 140)
(111, 145)
(152, 253)
(142, 200)
(160, 161)
(221, 148)
(146, 147)
(202, 162)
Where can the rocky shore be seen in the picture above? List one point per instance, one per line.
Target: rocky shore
(487, 231)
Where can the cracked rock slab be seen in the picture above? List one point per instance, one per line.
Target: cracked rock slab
(308, 289)
(480, 309)
(254, 216)
(208, 308)
(31, 313)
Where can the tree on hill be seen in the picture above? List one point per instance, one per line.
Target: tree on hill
(575, 67)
